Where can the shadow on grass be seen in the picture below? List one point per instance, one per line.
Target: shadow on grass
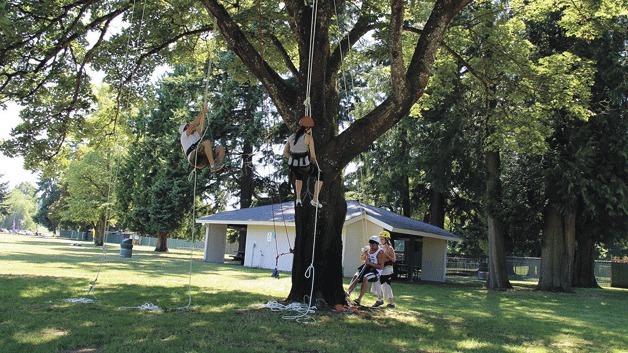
(35, 318)
(225, 315)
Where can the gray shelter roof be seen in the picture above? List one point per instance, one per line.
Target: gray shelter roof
(283, 214)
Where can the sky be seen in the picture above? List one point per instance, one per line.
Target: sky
(12, 169)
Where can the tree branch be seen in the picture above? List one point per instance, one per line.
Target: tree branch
(284, 54)
(362, 27)
(346, 146)
(283, 95)
(396, 49)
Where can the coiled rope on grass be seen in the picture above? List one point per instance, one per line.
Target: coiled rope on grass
(145, 306)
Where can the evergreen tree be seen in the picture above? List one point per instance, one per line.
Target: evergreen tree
(48, 194)
(4, 189)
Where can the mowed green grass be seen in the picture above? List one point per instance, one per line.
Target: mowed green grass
(227, 310)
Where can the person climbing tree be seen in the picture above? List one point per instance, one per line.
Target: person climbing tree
(200, 152)
(299, 150)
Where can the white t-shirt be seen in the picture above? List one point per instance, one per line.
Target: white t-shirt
(373, 257)
(188, 141)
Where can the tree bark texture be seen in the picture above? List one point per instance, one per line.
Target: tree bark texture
(557, 248)
(584, 263)
(162, 242)
(327, 245)
(437, 209)
(246, 179)
(497, 276)
(99, 230)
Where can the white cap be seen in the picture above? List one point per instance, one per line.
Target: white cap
(374, 238)
(182, 127)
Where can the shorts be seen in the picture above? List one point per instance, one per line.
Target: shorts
(201, 159)
(300, 172)
(370, 273)
(386, 275)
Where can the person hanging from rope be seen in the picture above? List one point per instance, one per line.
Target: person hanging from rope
(299, 150)
(370, 270)
(199, 152)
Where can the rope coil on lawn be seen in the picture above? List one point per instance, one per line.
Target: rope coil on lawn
(302, 308)
(80, 300)
(145, 306)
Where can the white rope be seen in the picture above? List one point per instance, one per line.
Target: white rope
(310, 271)
(112, 176)
(301, 308)
(145, 306)
(195, 172)
(80, 300)
(342, 58)
(193, 219)
(308, 106)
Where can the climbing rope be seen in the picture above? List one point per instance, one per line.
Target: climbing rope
(307, 103)
(80, 300)
(195, 172)
(113, 175)
(310, 272)
(275, 273)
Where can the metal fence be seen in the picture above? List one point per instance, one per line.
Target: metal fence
(517, 267)
(117, 237)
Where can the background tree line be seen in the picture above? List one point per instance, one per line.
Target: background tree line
(518, 143)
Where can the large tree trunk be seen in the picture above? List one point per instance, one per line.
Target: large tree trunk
(437, 209)
(162, 242)
(497, 276)
(327, 265)
(584, 264)
(99, 230)
(246, 180)
(406, 202)
(246, 191)
(557, 248)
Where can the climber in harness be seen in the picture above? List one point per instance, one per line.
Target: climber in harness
(199, 152)
(299, 150)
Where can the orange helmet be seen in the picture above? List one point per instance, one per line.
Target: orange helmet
(306, 121)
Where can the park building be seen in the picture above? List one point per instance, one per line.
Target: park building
(270, 230)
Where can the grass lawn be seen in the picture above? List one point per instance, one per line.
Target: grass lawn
(228, 313)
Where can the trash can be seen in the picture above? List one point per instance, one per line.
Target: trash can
(126, 248)
(483, 271)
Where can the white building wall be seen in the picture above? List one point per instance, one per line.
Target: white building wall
(261, 250)
(434, 264)
(215, 240)
(355, 237)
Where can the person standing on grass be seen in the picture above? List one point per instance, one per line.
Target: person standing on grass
(382, 288)
(370, 270)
